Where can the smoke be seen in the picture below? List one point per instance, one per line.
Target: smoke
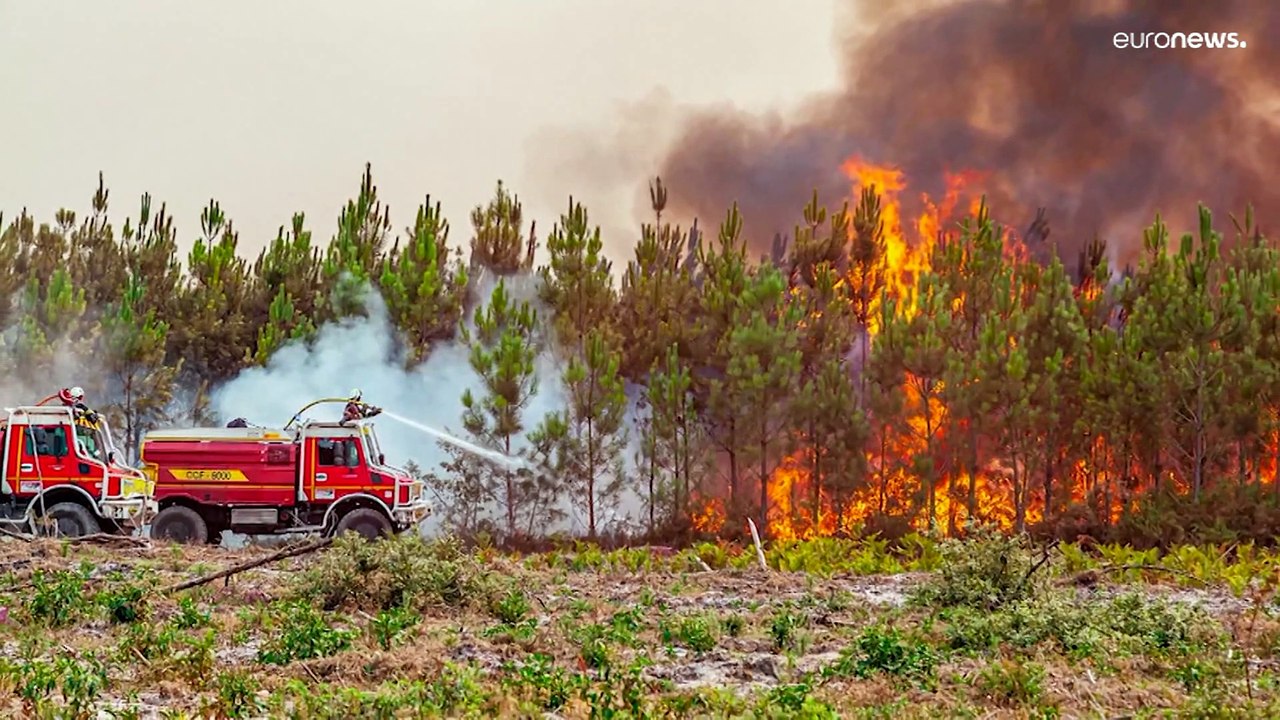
(1032, 94)
(366, 353)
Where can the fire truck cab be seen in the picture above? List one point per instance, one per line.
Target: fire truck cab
(63, 475)
(327, 477)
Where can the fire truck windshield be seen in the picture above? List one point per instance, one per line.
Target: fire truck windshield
(372, 449)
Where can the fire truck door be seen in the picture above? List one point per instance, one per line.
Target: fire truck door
(44, 454)
(336, 461)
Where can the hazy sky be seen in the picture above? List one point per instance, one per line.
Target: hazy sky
(274, 107)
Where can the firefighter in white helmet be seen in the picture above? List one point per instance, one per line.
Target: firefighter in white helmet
(357, 409)
(74, 399)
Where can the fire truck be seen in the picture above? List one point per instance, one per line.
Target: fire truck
(307, 477)
(63, 475)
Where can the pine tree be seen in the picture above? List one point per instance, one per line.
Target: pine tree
(764, 365)
(10, 277)
(724, 278)
(578, 281)
(658, 300)
(284, 324)
(675, 442)
(355, 254)
(502, 355)
(814, 247)
(213, 331)
(151, 253)
(424, 291)
(287, 288)
(596, 436)
(132, 355)
(97, 262)
(499, 245)
(972, 266)
(918, 344)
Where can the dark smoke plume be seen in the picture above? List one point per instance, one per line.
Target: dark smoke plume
(1034, 95)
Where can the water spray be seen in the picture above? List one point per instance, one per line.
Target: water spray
(511, 462)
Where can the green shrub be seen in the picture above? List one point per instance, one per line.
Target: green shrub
(304, 633)
(403, 570)
(1011, 683)
(986, 570)
(885, 650)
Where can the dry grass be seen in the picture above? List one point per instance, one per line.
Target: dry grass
(416, 630)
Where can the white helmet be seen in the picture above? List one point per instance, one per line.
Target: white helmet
(355, 394)
(77, 393)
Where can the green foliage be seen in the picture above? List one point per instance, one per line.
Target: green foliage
(57, 599)
(357, 251)
(577, 283)
(499, 244)
(1011, 683)
(595, 436)
(391, 624)
(133, 348)
(303, 633)
(503, 350)
(510, 608)
(424, 291)
(888, 651)
(987, 570)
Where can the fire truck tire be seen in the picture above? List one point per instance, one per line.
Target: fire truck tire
(366, 521)
(181, 525)
(71, 519)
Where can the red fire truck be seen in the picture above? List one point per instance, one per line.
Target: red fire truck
(63, 475)
(327, 477)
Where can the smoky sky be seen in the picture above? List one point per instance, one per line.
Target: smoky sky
(1032, 94)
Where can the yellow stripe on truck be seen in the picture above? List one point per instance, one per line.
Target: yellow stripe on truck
(209, 475)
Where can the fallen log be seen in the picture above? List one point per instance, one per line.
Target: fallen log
(17, 535)
(107, 539)
(284, 554)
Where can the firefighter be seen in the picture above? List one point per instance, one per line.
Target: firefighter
(357, 409)
(74, 399)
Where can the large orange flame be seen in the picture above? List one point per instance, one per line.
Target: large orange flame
(894, 485)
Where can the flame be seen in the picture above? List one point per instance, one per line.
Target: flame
(917, 459)
(894, 486)
(710, 518)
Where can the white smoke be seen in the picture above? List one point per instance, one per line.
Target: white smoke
(366, 353)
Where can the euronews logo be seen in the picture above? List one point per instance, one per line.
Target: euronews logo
(1178, 40)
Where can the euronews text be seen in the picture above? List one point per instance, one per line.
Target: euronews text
(1178, 41)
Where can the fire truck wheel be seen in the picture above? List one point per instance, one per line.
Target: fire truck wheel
(366, 521)
(69, 519)
(181, 525)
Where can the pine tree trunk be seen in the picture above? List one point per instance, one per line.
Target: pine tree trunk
(884, 470)
(973, 471)
(653, 460)
(1019, 497)
(764, 486)
(685, 457)
(511, 491)
(591, 480)
(928, 434)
